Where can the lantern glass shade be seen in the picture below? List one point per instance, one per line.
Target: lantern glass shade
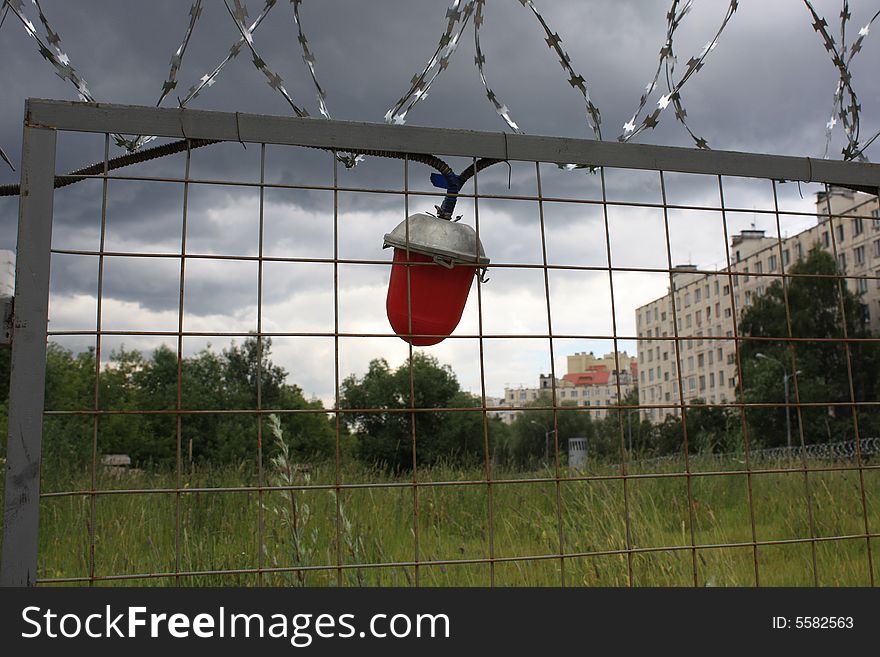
(431, 296)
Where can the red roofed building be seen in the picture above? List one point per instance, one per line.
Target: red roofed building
(597, 376)
(589, 382)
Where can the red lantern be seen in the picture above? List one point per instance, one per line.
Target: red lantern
(425, 300)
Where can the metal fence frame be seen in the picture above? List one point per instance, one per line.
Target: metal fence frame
(43, 118)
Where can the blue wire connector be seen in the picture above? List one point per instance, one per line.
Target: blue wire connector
(452, 183)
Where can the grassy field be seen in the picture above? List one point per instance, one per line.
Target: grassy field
(138, 533)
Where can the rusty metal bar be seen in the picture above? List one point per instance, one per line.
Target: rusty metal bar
(687, 467)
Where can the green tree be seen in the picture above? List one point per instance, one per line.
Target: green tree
(384, 434)
(70, 386)
(710, 429)
(639, 436)
(533, 437)
(819, 354)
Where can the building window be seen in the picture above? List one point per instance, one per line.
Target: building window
(700, 360)
(665, 355)
(771, 265)
(690, 363)
(687, 299)
(711, 357)
(731, 383)
(799, 250)
(877, 248)
(825, 241)
(748, 297)
(702, 382)
(717, 287)
(840, 232)
(692, 383)
(858, 226)
(862, 285)
(877, 274)
(785, 258)
(687, 321)
(697, 295)
(859, 254)
(726, 290)
(759, 267)
(841, 262)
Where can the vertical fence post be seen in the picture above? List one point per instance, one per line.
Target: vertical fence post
(18, 563)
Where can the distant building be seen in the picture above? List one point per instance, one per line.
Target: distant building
(7, 273)
(589, 382)
(705, 306)
(504, 415)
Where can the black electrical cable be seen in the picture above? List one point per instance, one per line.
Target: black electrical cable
(181, 145)
(116, 163)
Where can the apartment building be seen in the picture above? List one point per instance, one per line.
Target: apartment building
(590, 381)
(707, 306)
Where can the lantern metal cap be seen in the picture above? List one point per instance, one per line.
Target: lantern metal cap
(442, 239)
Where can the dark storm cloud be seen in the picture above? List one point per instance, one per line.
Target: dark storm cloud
(769, 76)
(766, 87)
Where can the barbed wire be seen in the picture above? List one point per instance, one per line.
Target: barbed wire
(575, 80)
(458, 12)
(480, 60)
(849, 115)
(842, 450)
(349, 160)
(170, 83)
(209, 79)
(846, 108)
(3, 154)
(667, 59)
(274, 80)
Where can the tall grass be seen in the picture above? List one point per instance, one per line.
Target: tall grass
(195, 530)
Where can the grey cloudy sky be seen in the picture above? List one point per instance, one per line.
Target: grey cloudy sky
(767, 87)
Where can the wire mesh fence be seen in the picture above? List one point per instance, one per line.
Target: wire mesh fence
(218, 315)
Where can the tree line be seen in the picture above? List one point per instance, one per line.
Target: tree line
(141, 393)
